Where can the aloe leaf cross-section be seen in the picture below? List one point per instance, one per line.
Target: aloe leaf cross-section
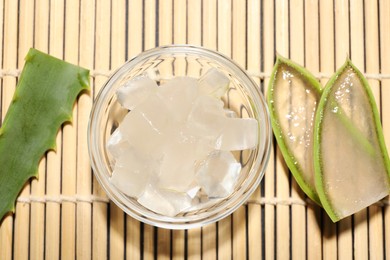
(352, 166)
(293, 95)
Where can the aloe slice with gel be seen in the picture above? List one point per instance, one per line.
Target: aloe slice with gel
(293, 96)
(352, 166)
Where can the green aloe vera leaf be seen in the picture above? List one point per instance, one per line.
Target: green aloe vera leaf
(352, 166)
(43, 100)
(293, 95)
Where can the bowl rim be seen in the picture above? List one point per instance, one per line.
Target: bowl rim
(233, 202)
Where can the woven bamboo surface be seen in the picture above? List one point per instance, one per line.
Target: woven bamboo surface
(66, 215)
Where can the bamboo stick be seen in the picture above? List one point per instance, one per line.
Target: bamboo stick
(194, 244)
(148, 242)
(342, 43)
(208, 37)
(84, 178)
(384, 22)
(134, 47)
(209, 239)
(68, 218)
(166, 237)
(37, 226)
(269, 177)
(163, 244)
(178, 244)
(375, 228)
(133, 238)
(102, 63)
(149, 42)
(239, 55)
(224, 25)
(298, 212)
(194, 18)
(22, 212)
(180, 36)
(312, 63)
(209, 21)
(282, 177)
(9, 62)
(253, 61)
(53, 178)
(327, 57)
(179, 22)
(180, 28)
(360, 249)
(165, 22)
(118, 50)
(149, 24)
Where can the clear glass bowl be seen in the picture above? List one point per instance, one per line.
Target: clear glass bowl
(162, 64)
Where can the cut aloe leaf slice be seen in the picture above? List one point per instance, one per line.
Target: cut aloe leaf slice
(293, 95)
(351, 161)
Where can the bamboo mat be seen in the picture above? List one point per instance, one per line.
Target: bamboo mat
(66, 215)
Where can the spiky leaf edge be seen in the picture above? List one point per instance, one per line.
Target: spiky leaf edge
(65, 116)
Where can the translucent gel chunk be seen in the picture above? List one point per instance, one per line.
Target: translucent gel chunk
(218, 174)
(238, 134)
(116, 144)
(135, 91)
(163, 201)
(132, 172)
(213, 83)
(179, 94)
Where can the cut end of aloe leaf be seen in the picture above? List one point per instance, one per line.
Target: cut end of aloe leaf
(351, 161)
(293, 94)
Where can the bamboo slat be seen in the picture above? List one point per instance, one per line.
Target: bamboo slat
(84, 104)
(22, 223)
(283, 232)
(254, 63)
(9, 61)
(65, 214)
(384, 23)
(342, 40)
(69, 179)
(224, 45)
(327, 65)
(357, 55)
(134, 47)
(375, 215)
(312, 63)
(269, 177)
(53, 175)
(102, 63)
(118, 51)
(298, 212)
(37, 220)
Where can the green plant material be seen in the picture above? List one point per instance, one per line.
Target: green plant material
(352, 167)
(293, 95)
(43, 100)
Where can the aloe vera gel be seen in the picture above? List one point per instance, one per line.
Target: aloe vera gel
(293, 97)
(173, 151)
(351, 158)
(330, 138)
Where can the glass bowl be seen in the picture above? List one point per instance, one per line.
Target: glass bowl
(161, 64)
